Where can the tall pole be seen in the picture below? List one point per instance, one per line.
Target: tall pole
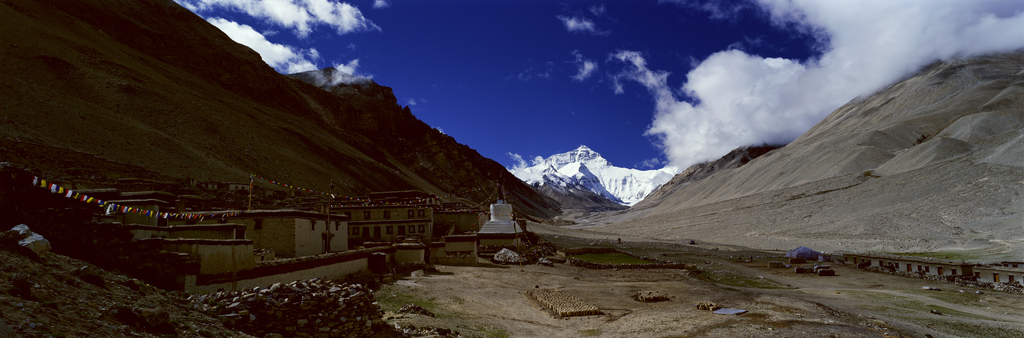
(330, 198)
(250, 191)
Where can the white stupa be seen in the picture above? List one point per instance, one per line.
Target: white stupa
(501, 220)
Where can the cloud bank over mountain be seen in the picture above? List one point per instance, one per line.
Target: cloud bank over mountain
(732, 98)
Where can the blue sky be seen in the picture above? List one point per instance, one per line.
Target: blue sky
(645, 83)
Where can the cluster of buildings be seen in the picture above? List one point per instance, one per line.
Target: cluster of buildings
(319, 236)
(1002, 272)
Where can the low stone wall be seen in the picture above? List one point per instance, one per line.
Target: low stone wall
(309, 308)
(657, 263)
(583, 251)
(330, 266)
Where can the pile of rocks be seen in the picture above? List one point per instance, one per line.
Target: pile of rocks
(707, 305)
(434, 332)
(415, 309)
(650, 296)
(310, 308)
(506, 256)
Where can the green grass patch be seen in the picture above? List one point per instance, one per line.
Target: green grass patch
(962, 329)
(745, 281)
(907, 305)
(589, 333)
(496, 333)
(954, 297)
(612, 258)
(390, 301)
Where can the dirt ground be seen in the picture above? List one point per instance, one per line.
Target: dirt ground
(489, 300)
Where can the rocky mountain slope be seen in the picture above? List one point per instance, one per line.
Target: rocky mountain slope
(92, 91)
(734, 159)
(582, 178)
(932, 163)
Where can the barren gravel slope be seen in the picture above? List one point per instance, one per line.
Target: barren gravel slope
(935, 162)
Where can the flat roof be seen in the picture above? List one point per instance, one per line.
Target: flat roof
(927, 260)
(278, 213)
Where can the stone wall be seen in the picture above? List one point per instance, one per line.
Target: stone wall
(658, 264)
(329, 266)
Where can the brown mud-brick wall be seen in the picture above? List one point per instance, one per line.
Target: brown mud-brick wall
(562, 304)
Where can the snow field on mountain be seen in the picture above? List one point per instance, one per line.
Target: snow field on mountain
(585, 169)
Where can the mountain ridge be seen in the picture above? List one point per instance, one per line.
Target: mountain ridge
(173, 96)
(934, 162)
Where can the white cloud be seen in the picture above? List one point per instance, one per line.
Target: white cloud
(598, 10)
(411, 102)
(352, 68)
(578, 24)
(381, 3)
(283, 58)
(540, 72)
(299, 15)
(585, 68)
(736, 99)
(652, 163)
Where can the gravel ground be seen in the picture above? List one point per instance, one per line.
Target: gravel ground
(491, 301)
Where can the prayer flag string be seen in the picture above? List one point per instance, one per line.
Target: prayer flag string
(111, 206)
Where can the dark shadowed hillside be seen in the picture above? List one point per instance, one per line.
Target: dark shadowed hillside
(102, 89)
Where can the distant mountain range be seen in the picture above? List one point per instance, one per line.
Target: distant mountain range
(583, 173)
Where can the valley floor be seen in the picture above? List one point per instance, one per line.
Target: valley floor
(490, 300)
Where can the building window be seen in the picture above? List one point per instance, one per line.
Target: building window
(977, 275)
(390, 230)
(1010, 279)
(336, 226)
(312, 225)
(927, 269)
(355, 231)
(366, 215)
(953, 272)
(412, 229)
(918, 268)
(387, 214)
(258, 225)
(995, 277)
(411, 212)
(422, 230)
(420, 213)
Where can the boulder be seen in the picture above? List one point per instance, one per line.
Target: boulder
(33, 241)
(506, 256)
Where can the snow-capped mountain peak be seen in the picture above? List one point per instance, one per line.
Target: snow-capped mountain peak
(585, 169)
